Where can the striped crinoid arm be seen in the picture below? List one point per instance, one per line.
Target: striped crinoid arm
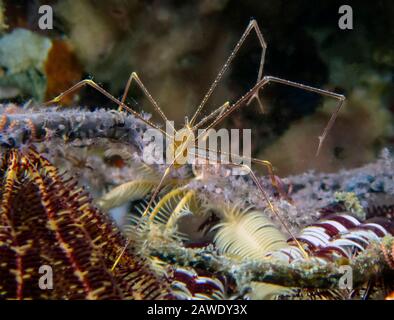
(14, 247)
(74, 253)
(132, 274)
(47, 220)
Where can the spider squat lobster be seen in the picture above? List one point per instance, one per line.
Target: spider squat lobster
(214, 118)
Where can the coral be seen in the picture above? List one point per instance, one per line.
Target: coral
(106, 135)
(314, 193)
(162, 241)
(62, 70)
(36, 66)
(22, 69)
(23, 125)
(190, 212)
(63, 230)
(300, 273)
(388, 250)
(351, 203)
(250, 241)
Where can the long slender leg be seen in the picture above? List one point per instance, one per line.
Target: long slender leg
(166, 172)
(337, 96)
(152, 198)
(251, 26)
(134, 76)
(274, 209)
(253, 93)
(239, 103)
(157, 189)
(269, 203)
(267, 164)
(217, 113)
(223, 108)
(91, 83)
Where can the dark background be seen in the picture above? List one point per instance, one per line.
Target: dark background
(177, 48)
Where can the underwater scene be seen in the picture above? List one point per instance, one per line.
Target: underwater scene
(196, 150)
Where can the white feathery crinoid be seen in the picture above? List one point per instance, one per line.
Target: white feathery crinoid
(247, 234)
(164, 215)
(126, 192)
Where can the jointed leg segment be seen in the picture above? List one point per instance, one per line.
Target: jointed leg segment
(253, 94)
(267, 164)
(274, 209)
(265, 196)
(216, 117)
(134, 76)
(152, 198)
(326, 93)
(251, 26)
(94, 85)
